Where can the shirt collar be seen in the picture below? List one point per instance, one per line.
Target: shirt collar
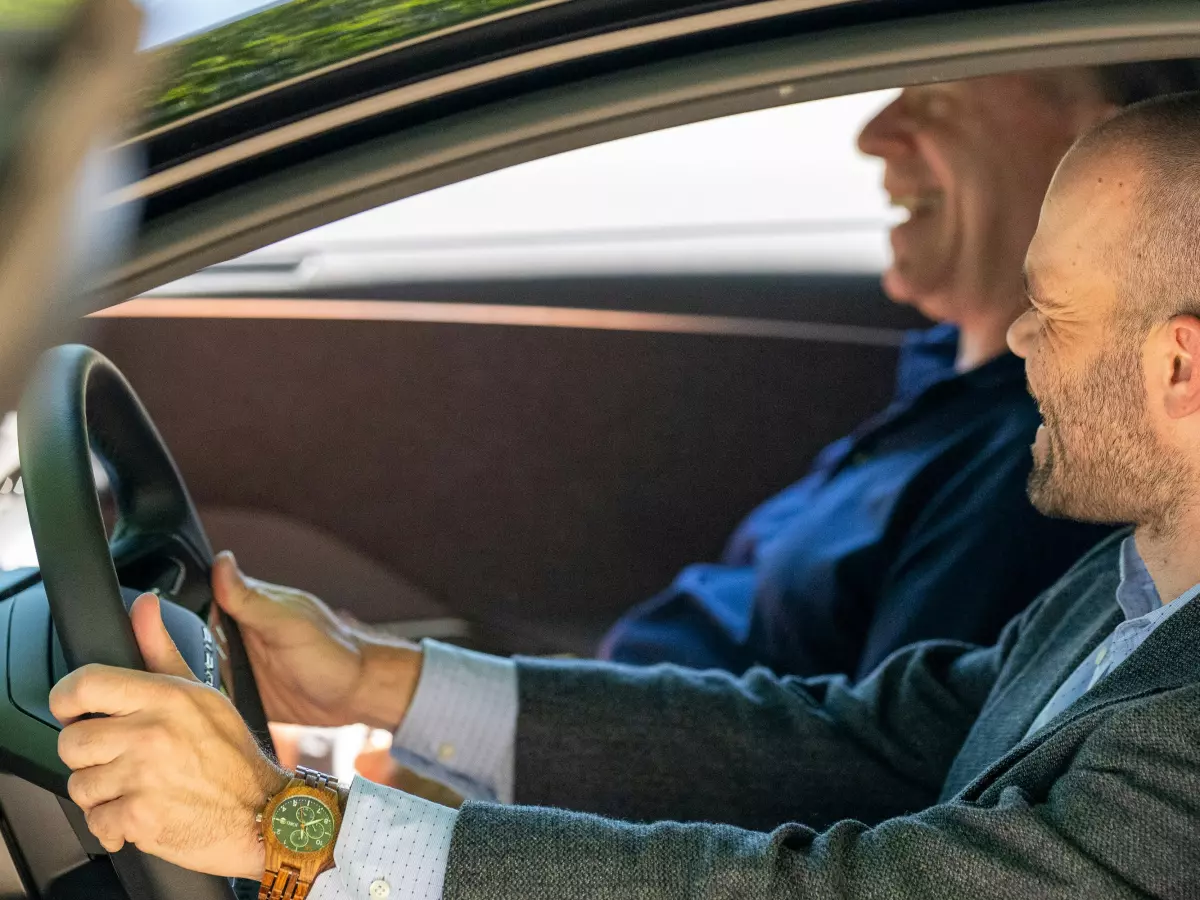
(1136, 594)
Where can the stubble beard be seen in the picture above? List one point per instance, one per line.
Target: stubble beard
(1103, 462)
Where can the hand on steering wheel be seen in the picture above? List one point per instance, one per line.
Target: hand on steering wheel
(312, 668)
(75, 404)
(171, 768)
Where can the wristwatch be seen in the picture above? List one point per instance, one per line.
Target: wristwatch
(299, 827)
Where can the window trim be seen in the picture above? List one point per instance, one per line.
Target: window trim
(247, 211)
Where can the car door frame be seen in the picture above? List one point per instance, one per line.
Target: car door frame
(344, 159)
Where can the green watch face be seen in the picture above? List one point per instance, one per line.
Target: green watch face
(303, 824)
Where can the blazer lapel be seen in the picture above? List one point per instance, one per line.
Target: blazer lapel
(1167, 659)
(1063, 631)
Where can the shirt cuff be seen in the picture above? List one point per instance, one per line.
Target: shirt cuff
(461, 727)
(390, 844)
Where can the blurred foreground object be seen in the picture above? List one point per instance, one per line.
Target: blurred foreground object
(68, 74)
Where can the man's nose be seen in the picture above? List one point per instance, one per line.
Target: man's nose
(1021, 333)
(889, 133)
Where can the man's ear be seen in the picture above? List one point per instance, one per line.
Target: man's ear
(1180, 362)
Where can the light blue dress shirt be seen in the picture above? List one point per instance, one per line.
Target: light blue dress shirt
(1144, 611)
(461, 729)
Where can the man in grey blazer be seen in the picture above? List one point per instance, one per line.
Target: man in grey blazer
(1062, 762)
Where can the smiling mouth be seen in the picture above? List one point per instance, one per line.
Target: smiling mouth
(918, 204)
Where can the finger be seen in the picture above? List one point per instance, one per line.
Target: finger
(97, 785)
(158, 649)
(233, 594)
(107, 690)
(109, 822)
(93, 742)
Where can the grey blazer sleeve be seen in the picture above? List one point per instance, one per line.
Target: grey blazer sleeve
(645, 745)
(1115, 816)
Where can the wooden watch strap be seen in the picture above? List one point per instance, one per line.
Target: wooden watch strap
(285, 882)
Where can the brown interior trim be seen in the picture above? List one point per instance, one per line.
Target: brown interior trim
(495, 314)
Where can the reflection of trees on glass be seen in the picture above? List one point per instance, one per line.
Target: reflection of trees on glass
(292, 39)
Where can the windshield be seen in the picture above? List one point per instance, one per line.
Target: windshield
(281, 42)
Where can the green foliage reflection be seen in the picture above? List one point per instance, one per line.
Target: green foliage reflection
(33, 13)
(294, 39)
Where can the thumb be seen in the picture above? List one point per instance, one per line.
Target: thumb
(158, 650)
(232, 593)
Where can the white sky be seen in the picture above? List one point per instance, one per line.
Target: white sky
(167, 20)
(793, 163)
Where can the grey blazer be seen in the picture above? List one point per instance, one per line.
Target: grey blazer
(666, 783)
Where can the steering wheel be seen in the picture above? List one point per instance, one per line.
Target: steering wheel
(76, 404)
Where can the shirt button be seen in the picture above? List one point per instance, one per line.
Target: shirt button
(380, 889)
(446, 753)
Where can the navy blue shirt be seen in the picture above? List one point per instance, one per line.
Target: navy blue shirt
(916, 526)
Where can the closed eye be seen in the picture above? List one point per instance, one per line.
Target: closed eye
(1035, 304)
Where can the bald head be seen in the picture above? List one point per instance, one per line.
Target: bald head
(1143, 168)
(1112, 338)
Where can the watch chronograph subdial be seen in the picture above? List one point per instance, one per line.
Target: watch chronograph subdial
(303, 824)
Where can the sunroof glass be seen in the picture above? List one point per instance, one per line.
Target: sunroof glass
(289, 40)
